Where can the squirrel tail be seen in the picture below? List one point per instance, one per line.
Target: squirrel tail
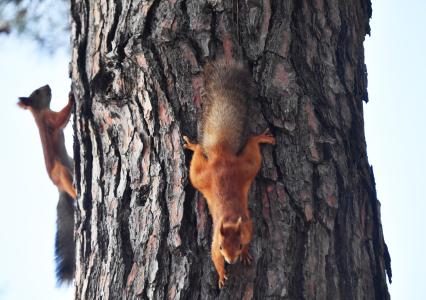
(229, 89)
(64, 242)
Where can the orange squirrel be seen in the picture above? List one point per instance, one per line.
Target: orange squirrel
(60, 170)
(225, 163)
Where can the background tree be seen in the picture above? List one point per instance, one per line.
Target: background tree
(44, 21)
(142, 230)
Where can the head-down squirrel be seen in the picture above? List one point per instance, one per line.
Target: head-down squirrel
(225, 162)
(60, 169)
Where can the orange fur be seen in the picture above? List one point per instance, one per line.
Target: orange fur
(50, 125)
(224, 178)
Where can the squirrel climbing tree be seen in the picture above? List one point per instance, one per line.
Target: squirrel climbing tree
(59, 167)
(142, 230)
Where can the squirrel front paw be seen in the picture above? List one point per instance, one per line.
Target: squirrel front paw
(246, 258)
(71, 98)
(222, 278)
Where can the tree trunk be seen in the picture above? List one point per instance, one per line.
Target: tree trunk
(143, 232)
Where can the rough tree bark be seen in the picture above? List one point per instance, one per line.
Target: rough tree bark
(142, 230)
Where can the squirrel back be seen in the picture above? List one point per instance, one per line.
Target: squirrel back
(229, 88)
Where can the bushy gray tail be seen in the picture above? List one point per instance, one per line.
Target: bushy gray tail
(64, 242)
(229, 90)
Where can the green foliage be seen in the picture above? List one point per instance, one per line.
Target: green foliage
(45, 21)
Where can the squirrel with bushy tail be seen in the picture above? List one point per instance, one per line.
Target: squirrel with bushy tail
(59, 166)
(225, 162)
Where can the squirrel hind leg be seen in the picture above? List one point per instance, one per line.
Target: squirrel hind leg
(62, 178)
(69, 187)
(265, 138)
(64, 242)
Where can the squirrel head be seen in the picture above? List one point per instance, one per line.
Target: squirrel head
(38, 100)
(230, 245)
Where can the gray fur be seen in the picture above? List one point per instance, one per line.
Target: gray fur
(64, 242)
(229, 90)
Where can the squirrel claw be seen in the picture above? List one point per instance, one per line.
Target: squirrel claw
(246, 259)
(186, 139)
(222, 280)
(71, 97)
(266, 137)
(188, 144)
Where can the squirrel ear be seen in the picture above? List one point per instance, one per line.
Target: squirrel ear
(222, 230)
(24, 102)
(240, 219)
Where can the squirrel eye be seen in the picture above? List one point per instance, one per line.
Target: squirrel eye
(220, 247)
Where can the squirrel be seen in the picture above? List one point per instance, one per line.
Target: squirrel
(60, 169)
(225, 162)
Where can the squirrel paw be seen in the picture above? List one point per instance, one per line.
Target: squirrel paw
(246, 258)
(71, 97)
(266, 137)
(188, 144)
(222, 279)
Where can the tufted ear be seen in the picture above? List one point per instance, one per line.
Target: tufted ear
(24, 102)
(221, 229)
(239, 221)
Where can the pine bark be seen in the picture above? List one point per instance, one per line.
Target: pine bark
(142, 231)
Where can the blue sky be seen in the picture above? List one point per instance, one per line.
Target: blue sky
(395, 129)
(394, 118)
(28, 201)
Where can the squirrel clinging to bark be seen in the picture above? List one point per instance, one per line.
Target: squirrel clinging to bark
(225, 162)
(60, 169)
